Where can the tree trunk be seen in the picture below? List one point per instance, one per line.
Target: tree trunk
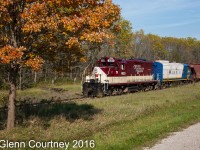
(55, 75)
(35, 77)
(12, 98)
(45, 76)
(20, 79)
(71, 73)
(62, 74)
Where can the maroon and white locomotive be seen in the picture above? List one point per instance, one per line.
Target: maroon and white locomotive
(113, 76)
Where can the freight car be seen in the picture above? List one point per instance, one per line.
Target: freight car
(168, 73)
(195, 72)
(114, 76)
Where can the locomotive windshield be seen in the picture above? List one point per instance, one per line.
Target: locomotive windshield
(104, 64)
(109, 62)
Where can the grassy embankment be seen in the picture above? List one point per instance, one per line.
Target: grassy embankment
(122, 122)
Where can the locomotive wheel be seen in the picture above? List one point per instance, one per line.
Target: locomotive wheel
(109, 92)
(87, 92)
(120, 92)
(100, 93)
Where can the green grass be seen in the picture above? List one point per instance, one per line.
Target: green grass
(60, 83)
(145, 130)
(44, 92)
(41, 90)
(122, 122)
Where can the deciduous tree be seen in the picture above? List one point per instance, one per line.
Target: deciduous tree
(30, 31)
(124, 39)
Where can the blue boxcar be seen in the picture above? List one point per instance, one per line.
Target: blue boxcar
(158, 72)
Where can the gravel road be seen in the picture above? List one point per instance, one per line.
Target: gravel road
(188, 139)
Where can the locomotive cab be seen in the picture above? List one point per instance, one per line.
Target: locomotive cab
(109, 65)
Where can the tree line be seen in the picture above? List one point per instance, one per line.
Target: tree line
(73, 64)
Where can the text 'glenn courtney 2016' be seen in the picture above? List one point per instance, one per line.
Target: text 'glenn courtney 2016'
(34, 144)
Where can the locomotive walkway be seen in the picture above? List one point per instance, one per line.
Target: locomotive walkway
(188, 139)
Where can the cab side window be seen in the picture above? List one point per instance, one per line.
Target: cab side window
(116, 67)
(123, 66)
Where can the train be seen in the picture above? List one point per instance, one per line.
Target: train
(115, 76)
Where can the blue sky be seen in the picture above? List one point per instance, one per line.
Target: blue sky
(175, 18)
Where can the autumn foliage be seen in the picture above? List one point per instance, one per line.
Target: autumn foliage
(32, 31)
(9, 54)
(77, 21)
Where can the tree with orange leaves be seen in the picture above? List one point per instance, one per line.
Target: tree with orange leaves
(29, 29)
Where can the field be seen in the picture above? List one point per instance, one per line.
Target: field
(129, 121)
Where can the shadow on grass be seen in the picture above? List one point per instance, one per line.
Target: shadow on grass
(41, 114)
